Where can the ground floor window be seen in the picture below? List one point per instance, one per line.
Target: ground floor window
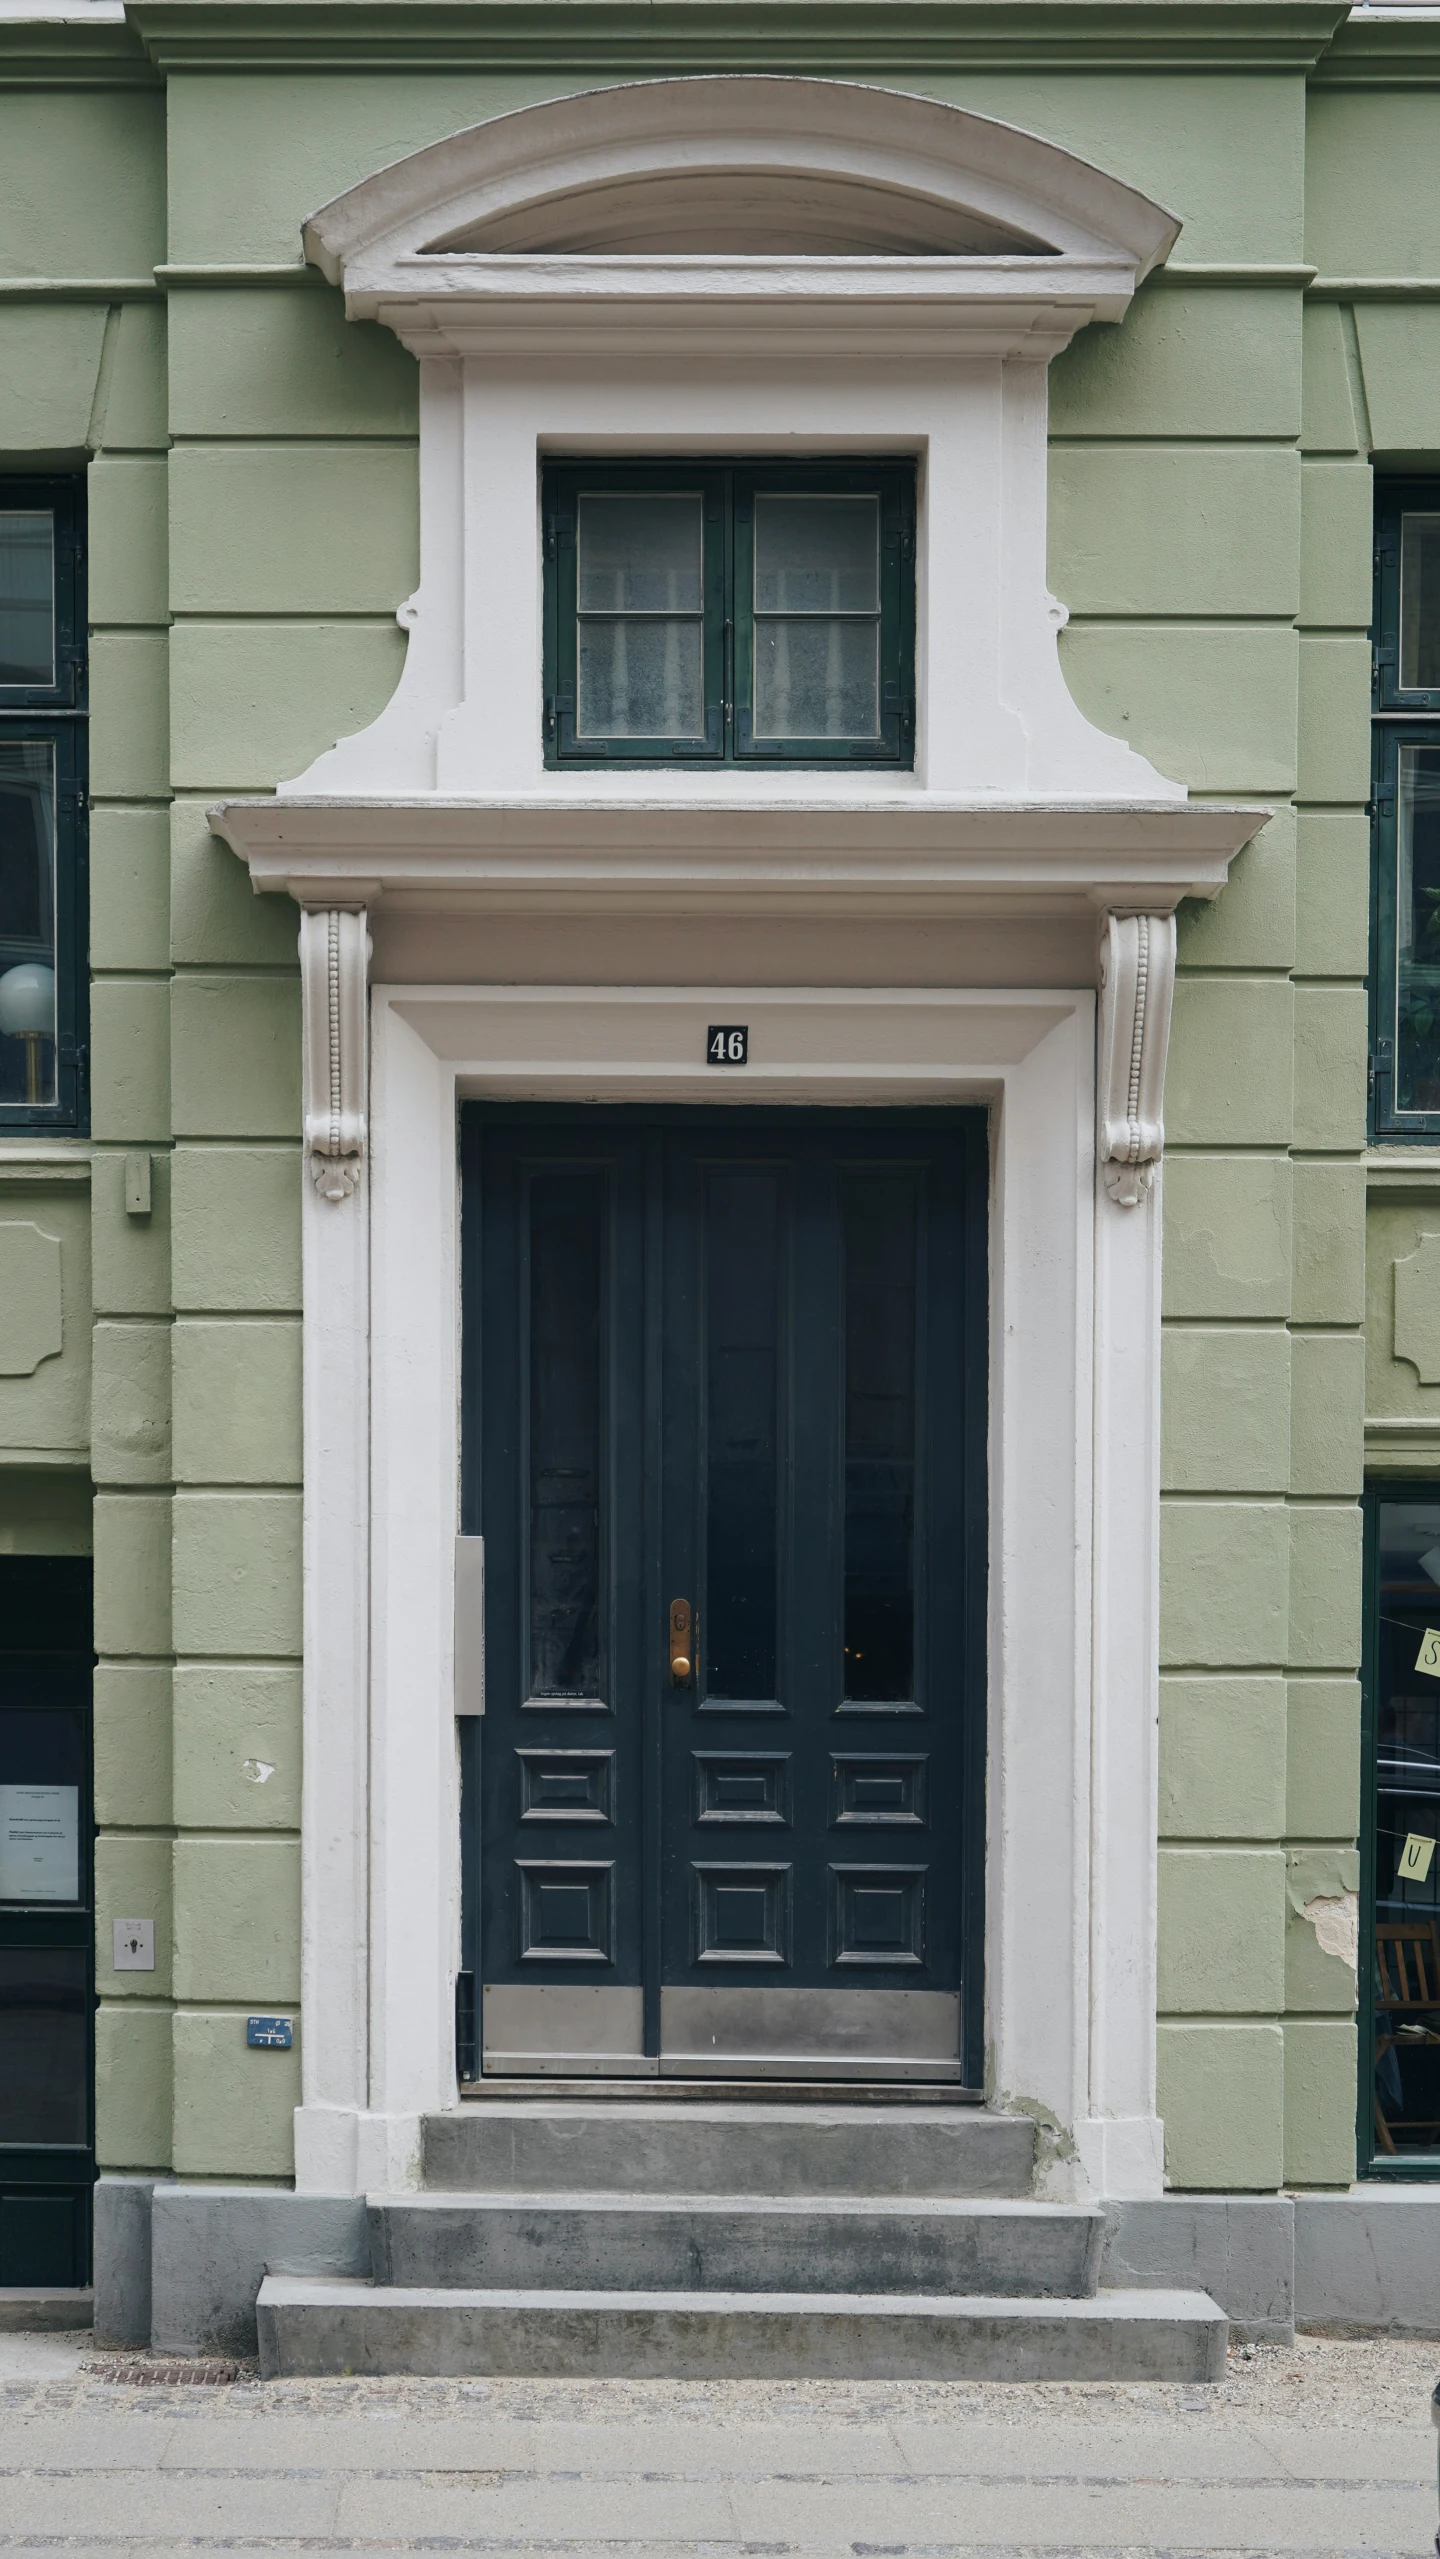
(1400, 2019)
(1405, 976)
(43, 933)
(47, 1970)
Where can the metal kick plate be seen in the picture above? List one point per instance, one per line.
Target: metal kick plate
(568, 2030)
(767, 2033)
(565, 2030)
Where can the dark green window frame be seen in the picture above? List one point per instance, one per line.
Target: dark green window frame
(1404, 989)
(728, 615)
(55, 716)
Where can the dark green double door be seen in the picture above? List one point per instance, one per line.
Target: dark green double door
(725, 1417)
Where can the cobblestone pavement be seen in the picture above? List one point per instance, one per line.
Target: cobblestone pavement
(1317, 2452)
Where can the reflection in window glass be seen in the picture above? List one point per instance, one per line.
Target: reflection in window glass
(817, 617)
(27, 921)
(1417, 930)
(43, 2055)
(742, 1433)
(27, 596)
(640, 598)
(880, 1333)
(565, 1291)
(1407, 1823)
(1420, 603)
(817, 555)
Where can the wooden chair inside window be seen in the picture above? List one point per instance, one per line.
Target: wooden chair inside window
(1407, 2007)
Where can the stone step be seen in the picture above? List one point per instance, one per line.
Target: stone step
(311, 2325)
(641, 2149)
(737, 2243)
(53, 2306)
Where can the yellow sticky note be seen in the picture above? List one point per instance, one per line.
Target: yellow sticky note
(1428, 1658)
(1415, 1857)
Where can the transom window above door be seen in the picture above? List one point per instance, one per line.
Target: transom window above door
(701, 614)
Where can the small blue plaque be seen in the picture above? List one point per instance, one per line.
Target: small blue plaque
(276, 2032)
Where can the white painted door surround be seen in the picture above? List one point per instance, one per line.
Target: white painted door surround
(778, 266)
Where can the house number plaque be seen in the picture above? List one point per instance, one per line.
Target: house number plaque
(727, 1044)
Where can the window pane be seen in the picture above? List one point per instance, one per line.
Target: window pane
(640, 678)
(742, 1438)
(639, 551)
(1417, 930)
(566, 1211)
(817, 679)
(817, 555)
(27, 598)
(42, 2044)
(879, 1216)
(27, 922)
(1406, 2059)
(1420, 603)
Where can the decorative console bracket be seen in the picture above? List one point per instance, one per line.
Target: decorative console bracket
(1137, 986)
(334, 965)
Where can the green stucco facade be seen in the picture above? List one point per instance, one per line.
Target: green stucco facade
(252, 487)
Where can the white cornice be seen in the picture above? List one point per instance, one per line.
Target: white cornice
(722, 308)
(879, 858)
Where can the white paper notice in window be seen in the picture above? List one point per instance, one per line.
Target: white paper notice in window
(39, 1843)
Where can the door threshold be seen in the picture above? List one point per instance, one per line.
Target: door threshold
(512, 2085)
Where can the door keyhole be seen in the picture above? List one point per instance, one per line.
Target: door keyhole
(681, 1663)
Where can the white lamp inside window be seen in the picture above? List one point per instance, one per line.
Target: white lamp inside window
(27, 1012)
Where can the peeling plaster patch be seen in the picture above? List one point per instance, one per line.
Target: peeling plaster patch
(1335, 1918)
(1052, 2141)
(257, 1770)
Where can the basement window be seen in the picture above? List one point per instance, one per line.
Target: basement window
(700, 614)
(1400, 1828)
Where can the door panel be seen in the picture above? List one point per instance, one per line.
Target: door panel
(725, 1421)
(556, 1410)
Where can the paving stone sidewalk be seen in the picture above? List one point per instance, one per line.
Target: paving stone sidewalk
(1317, 2452)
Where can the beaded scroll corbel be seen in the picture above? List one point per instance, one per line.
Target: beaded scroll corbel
(334, 965)
(1137, 986)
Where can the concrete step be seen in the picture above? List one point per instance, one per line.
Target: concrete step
(312, 2325)
(54, 2306)
(737, 2243)
(633, 2149)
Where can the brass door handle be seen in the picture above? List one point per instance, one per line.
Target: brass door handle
(681, 1663)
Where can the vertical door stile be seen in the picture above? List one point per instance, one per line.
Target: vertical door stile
(975, 1550)
(654, 1185)
(817, 1503)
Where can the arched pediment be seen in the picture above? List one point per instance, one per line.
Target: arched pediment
(775, 180)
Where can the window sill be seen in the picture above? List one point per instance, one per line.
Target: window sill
(1403, 1164)
(57, 1158)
